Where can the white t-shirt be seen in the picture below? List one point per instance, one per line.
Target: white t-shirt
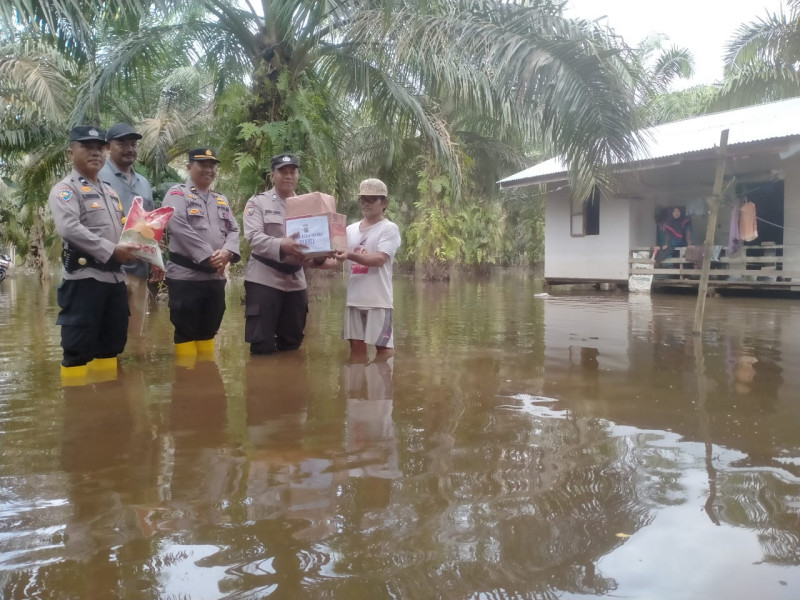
(371, 287)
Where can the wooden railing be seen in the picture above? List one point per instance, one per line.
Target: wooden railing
(752, 266)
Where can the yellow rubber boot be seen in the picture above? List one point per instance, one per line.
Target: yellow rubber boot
(103, 364)
(205, 349)
(186, 349)
(186, 354)
(103, 369)
(74, 376)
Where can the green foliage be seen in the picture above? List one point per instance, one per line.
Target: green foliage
(482, 227)
(525, 226)
(762, 61)
(430, 240)
(438, 99)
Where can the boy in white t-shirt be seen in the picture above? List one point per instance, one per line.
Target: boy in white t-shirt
(371, 246)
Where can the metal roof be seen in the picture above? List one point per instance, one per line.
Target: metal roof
(747, 125)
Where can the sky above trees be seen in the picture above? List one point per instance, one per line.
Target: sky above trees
(702, 26)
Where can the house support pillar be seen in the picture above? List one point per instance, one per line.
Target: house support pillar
(713, 203)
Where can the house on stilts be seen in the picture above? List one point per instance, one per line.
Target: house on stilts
(610, 240)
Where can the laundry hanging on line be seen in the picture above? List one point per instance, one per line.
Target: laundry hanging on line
(748, 227)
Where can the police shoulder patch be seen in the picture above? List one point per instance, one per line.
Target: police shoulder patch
(176, 192)
(65, 193)
(250, 209)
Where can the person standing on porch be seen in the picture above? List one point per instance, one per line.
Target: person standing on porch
(371, 246)
(678, 229)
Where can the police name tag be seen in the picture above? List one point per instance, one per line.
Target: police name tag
(314, 232)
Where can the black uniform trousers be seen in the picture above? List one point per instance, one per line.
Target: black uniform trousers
(196, 308)
(274, 319)
(93, 318)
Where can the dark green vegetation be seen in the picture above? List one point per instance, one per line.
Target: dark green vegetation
(440, 98)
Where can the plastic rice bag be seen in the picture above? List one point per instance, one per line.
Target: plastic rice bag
(143, 231)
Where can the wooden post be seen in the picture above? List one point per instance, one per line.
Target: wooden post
(713, 204)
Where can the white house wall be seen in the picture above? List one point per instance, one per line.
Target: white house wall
(592, 257)
(642, 223)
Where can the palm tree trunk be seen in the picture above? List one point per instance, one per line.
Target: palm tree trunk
(37, 254)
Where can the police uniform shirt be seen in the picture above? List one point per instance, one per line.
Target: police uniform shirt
(88, 216)
(126, 189)
(201, 224)
(264, 224)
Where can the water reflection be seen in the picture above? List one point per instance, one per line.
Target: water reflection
(109, 458)
(288, 476)
(371, 440)
(516, 446)
(203, 475)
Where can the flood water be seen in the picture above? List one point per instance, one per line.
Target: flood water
(571, 446)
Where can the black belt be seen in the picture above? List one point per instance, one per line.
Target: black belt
(74, 260)
(185, 261)
(278, 266)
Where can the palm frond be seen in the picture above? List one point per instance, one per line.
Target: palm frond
(757, 83)
(38, 76)
(764, 40)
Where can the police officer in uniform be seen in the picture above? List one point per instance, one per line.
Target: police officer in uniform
(203, 239)
(274, 281)
(118, 172)
(92, 296)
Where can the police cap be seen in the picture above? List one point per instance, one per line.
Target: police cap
(281, 160)
(202, 154)
(87, 133)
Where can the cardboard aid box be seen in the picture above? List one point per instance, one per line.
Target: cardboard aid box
(314, 217)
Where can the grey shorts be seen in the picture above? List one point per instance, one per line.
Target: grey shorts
(371, 325)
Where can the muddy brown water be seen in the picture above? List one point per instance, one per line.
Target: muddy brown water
(571, 446)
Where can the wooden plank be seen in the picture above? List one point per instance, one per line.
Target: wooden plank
(745, 248)
(713, 201)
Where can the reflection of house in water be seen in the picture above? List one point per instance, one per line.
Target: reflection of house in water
(639, 355)
(635, 362)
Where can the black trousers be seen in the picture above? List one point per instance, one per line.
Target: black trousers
(274, 319)
(195, 308)
(93, 318)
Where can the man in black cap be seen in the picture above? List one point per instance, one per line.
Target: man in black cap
(92, 296)
(118, 172)
(203, 239)
(274, 280)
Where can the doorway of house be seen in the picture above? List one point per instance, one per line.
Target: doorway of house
(768, 198)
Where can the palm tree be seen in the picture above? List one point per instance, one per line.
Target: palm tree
(553, 78)
(36, 92)
(658, 69)
(762, 62)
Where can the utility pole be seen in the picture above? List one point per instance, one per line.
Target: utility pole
(713, 204)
